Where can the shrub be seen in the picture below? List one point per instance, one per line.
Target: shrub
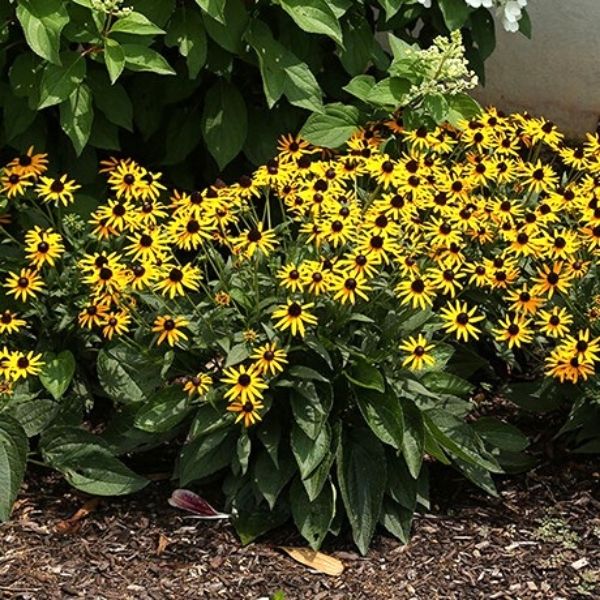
(312, 333)
(201, 83)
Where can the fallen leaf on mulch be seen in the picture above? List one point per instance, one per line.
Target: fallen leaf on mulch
(163, 542)
(72, 524)
(315, 560)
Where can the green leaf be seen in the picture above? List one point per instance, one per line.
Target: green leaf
(361, 471)
(42, 22)
(314, 483)
(483, 31)
(251, 524)
(126, 375)
(34, 414)
(391, 7)
(333, 127)
(459, 439)
(303, 372)
(224, 122)
(437, 107)
(18, 117)
(243, 449)
(237, 354)
(187, 32)
(114, 58)
(310, 453)
(135, 23)
(141, 58)
(13, 459)
(270, 481)
(365, 375)
(401, 485)
(214, 8)
(440, 382)
(60, 81)
(282, 71)
(455, 13)
(525, 24)
(383, 414)
(358, 45)
(310, 412)
(396, 519)
(87, 463)
(112, 100)
(462, 106)
(58, 373)
(314, 16)
(389, 92)
(77, 116)
(23, 75)
(206, 455)
(230, 33)
(360, 86)
(501, 435)
(210, 418)
(414, 436)
(312, 518)
(166, 409)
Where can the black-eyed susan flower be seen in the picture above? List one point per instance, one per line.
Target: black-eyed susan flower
(29, 164)
(269, 359)
(43, 246)
(356, 263)
(116, 323)
(416, 291)
(583, 346)
(23, 364)
(419, 352)
(177, 279)
(10, 322)
(198, 385)
(290, 278)
(295, 316)
(147, 245)
(247, 411)
(93, 315)
(169, 329)
(246, 384)
(551, 279)
(57, 190)
(315, 277)
(515, 331)
(566, 366)
(291, 148)
(25, 284)
(256, 239)
(126, 179)
(459, 319)
(554, 323)
(346, 288)
(523, 301)
(13, 183)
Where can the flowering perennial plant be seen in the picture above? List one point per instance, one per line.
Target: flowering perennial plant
(311, 328)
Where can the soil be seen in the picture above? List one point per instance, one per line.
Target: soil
(539, 539)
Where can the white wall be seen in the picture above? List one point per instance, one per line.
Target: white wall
(557, 73)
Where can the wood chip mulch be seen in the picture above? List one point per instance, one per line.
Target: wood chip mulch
(539, 539)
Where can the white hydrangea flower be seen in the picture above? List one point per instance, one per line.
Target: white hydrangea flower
(480, 3)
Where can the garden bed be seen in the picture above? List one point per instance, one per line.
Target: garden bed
(540, 539)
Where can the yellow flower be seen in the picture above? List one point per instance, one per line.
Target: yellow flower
(10, 323)
(21, 365)
(25, 284)
(43, 246)
(294, 316)
(246, 384)
(515, 331)
(59, 190)
(169, 329)
(419, 353)
(346, 289)
(269, 359)
(460, 319)
(247, 411)
(199, 384)
(14, 183)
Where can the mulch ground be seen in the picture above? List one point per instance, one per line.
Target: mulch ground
(539, 539)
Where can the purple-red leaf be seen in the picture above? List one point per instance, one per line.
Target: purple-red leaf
(186, 500)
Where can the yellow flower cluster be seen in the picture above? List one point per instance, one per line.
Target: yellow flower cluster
(492, 226)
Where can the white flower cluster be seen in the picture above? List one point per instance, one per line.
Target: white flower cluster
(444, 66)
(112, 7)
(510, 11)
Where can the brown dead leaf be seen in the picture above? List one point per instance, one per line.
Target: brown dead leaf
(315, 560)
(163, 542)
(72, 524)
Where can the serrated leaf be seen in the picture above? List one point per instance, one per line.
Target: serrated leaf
(58, 373)
(224, 122)
(361, 471)
(13, 459)
(135, 23)
(312, 518)
(383, 415)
